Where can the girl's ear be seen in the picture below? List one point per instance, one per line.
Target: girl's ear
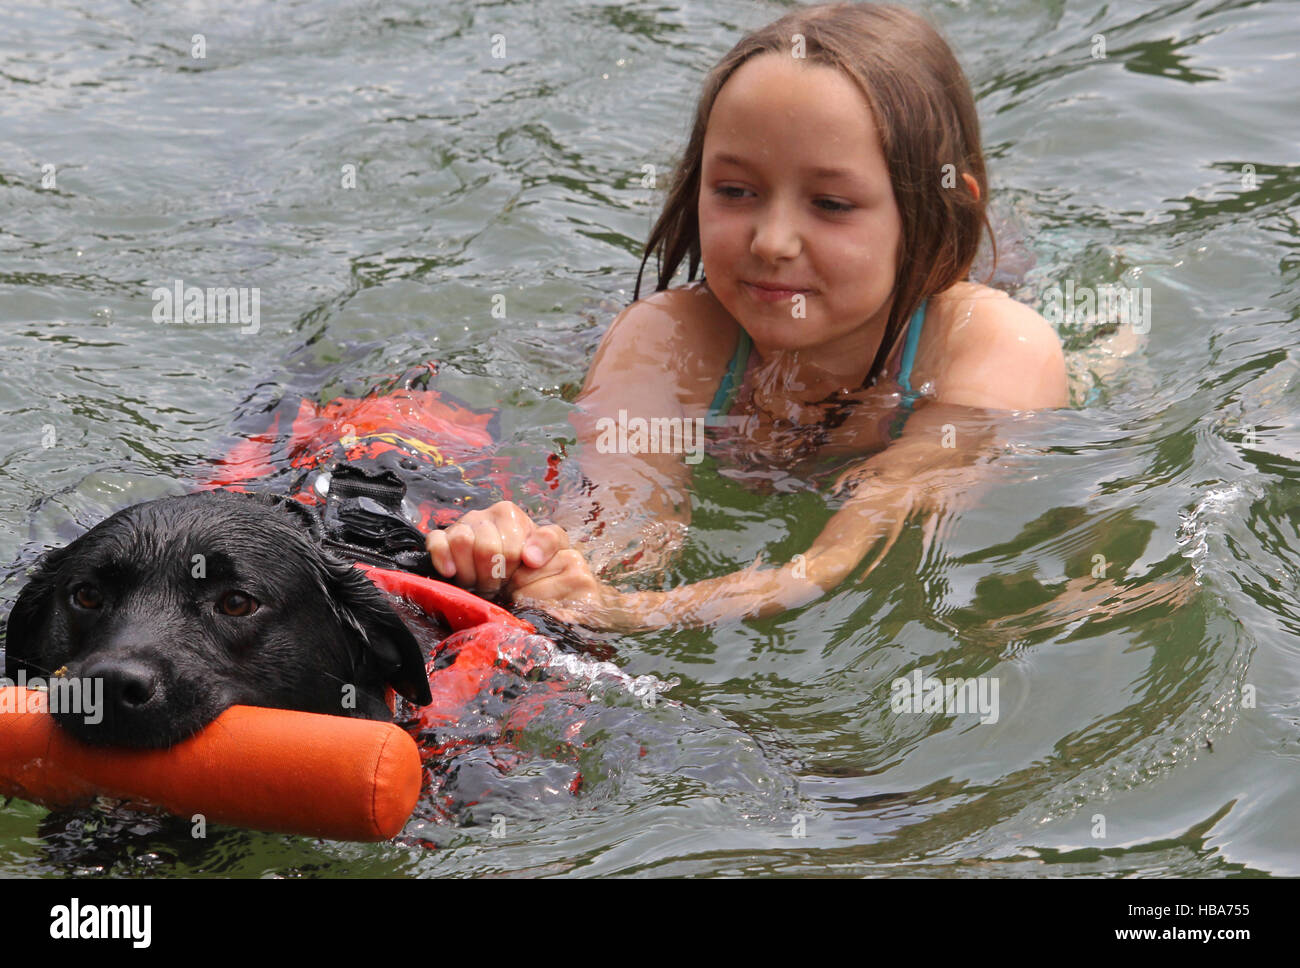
(972, 184)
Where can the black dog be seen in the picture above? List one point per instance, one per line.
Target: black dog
(185, 606)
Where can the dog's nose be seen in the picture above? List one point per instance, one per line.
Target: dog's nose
(128, 685)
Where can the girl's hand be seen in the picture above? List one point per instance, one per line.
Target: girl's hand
(484, 549)
(566, 588)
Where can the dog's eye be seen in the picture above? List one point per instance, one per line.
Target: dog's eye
(87, 596)
(237, 604)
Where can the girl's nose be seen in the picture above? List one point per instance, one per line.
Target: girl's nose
(775, 236)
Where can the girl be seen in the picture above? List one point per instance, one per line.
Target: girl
(833, 190)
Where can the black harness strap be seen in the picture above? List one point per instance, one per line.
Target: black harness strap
(363, 520)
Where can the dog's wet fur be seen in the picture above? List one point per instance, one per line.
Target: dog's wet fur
(144, 602)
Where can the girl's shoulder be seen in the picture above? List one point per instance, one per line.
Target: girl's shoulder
(690, 310)
(981, 348)
(683, 334)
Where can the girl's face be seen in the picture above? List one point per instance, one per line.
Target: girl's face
(795, 196)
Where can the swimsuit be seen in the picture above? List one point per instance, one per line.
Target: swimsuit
(732, 380)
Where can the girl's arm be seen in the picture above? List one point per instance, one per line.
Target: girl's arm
(916, 472)
(630, 511)
(1007, 358)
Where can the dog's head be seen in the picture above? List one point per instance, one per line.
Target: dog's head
(185, 606)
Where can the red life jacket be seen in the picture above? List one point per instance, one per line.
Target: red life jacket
(442, 450)
(439, 446)
(491, 654)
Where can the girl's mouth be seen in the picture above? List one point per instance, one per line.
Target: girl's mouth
(765, 293)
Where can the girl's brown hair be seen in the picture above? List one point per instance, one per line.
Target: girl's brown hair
(925, 114)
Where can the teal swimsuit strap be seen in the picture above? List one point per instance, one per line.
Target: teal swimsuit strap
(731, 380)
(910, 396)
(914, 325)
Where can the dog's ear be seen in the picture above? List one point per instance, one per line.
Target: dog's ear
(364, 609)
(305, 517)
(23, 631)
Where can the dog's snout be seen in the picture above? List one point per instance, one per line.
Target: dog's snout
(125, 702)
(128, 684)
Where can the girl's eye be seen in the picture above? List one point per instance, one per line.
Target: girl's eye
(87, 596)
(830, 205)
(726, 191)
(237, 604)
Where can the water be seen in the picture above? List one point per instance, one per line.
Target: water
(523, 177)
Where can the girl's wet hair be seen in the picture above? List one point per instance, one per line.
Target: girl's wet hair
(926, 120)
